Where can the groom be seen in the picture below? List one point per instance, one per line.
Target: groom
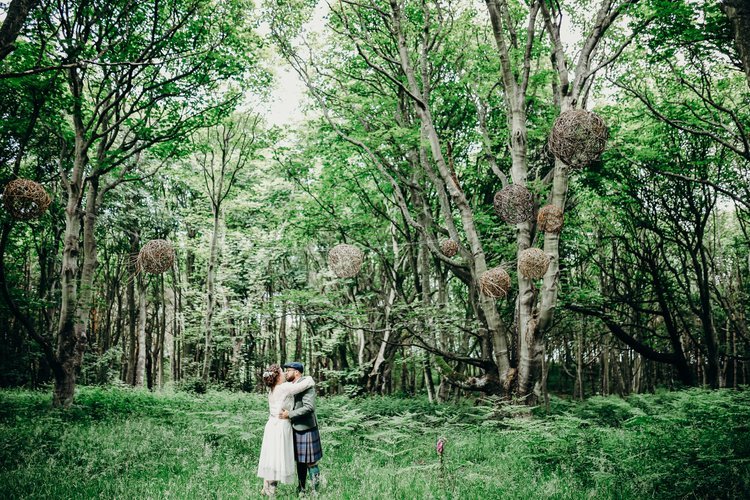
(307, 449)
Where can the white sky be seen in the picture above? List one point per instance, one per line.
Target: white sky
(288, 96)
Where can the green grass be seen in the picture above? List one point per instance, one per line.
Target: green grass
(119, 443)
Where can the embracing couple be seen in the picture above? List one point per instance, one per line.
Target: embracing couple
(291, 441)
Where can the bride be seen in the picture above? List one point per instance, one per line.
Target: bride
(277, 451)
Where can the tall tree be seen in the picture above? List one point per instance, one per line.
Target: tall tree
(227, 150)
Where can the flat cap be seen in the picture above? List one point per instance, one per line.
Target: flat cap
(295, 365)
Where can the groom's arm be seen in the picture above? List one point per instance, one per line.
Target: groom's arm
(308, 405)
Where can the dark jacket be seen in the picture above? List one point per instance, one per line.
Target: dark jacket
(302, 415)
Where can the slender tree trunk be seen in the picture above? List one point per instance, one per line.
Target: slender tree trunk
(71, 341)
(579, 365)
(707, 322)
(140, 363)
(606, 364)
(211, 292)
(282, 333)
(734, 359)
(86, 291)
(132, 307)
(298, 340)
(429, 383)
(190, 258)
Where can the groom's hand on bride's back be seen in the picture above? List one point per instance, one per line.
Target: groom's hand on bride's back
(284, 414)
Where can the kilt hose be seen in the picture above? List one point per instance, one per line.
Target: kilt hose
(307, 448)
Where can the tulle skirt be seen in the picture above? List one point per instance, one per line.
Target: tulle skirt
(277, 452)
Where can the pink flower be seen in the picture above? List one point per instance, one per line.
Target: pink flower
(440, 445)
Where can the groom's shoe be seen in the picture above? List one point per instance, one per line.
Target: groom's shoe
(316, 480)
(318, 483)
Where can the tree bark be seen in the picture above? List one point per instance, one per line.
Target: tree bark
(282, 332)
(132, 348)
(16, 14)
(71, 340)
(738, 13)
(211, 293)
(140, 363)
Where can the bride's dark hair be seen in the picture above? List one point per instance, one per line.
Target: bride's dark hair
(270, 374)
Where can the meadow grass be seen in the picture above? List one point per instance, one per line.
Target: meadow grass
(124, 443)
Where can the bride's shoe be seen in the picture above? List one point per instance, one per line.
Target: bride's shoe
(269, 490)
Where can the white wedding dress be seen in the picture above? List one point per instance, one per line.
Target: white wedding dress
(277, 451)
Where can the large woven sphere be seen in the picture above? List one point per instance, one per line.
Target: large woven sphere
(25, 199)
(156, 257)
(495, 282)
(345, 260)
(449, 248)
(578, 137)
(550, 219)
(533, 263)
(514, 204)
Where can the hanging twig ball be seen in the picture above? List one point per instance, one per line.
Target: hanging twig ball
(345, 260)
(514, 204)
(550, 219)
(495, 282)
(156, 257)
(449, 247)
(533, 263)
(25, 199)
(578, 137)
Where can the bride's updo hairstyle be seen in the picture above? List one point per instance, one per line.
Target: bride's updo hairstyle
(270, 374)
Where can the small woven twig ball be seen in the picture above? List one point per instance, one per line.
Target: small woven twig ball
(495, 282)
(550, 219)
(449, 248)
(578, 137)
(533, 263)
(514, 204)
(345, 260)
(25, 199)
(156, 257)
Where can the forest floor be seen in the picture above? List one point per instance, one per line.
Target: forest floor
(121, 443)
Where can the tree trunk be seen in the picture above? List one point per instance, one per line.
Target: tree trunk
(298, 338)
(738, 13)
(132, 308)
(579, 365)
(282, 333)
(429, 383)
(211, 292)
(15, 17)
(495, 332)
(86, 291)
(605, 363)
(71, 341)
(140, 363)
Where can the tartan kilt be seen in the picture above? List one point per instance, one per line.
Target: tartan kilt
(307, 448)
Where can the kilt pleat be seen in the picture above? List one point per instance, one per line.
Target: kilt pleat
(307, 447)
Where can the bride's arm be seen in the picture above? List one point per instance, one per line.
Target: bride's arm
(291, 389)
